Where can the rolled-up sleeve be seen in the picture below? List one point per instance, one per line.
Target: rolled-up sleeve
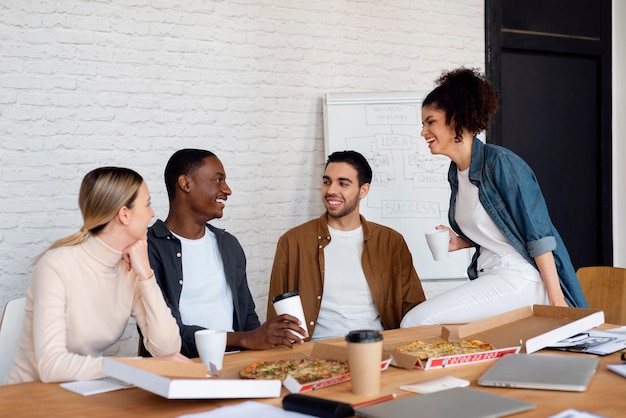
(541, 246)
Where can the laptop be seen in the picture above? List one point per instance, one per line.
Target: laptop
(449, 403)
(535, 371)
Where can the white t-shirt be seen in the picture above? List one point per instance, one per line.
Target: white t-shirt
(206, 299)
(347, 303)
(496, 253)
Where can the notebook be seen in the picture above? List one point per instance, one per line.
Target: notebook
(450, 403)
(534, 371)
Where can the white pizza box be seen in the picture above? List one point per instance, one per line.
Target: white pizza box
(328, 351)
(526, 330)
(176, 380)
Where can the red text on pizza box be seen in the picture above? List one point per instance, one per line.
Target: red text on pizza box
(328, 351)
(526, 329)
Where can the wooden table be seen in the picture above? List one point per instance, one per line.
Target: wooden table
(605, 396)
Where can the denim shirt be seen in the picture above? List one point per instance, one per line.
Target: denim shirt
(510, 194)
(164, 251)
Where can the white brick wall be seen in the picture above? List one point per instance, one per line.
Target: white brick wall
(128, 82)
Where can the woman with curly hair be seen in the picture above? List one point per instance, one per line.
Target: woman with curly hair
(496, 207)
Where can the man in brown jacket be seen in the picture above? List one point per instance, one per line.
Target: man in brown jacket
(350, 273)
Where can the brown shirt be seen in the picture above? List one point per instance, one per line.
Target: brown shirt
(386, 260)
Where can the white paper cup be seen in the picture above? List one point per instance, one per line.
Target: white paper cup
(365, 349)
(211, 345)
(438, 242)
(290, 303)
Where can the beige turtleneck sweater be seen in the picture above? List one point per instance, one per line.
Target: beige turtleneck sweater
(78, 304)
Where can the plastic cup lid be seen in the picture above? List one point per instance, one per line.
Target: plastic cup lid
(364, 336)
(285, 296)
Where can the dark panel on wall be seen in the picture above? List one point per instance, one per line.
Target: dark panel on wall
(557, 133)
(551, 62)
(563, 17)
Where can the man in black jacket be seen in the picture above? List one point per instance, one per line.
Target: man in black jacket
(202, 269)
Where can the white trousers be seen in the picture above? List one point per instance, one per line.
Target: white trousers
(486, 296)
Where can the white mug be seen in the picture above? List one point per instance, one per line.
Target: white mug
(439, 243)
(211, 345)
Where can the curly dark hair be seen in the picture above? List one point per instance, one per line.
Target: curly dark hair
(466, 97)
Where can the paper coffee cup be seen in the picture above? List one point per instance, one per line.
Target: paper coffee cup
(365, 349)
(211, 345)
(290, 303)
(438, 242)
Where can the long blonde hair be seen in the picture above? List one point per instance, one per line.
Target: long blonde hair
(103, 192)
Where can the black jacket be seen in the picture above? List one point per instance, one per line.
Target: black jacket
(164, 250)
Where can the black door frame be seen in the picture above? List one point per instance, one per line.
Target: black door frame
(498, 38)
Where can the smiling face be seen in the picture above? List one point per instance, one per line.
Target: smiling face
(207, 189)
(341, 192)
(438, 135)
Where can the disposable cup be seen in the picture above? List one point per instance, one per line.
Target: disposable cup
(438, 242)
(365, 349)
(211, 345)
(290, 303)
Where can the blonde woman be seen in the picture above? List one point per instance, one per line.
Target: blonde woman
(85, 287)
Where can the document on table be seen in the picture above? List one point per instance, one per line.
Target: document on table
(247, 409)
(594, 342)
(93, 387)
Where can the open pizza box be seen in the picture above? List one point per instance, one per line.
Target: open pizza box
(525, 330)
(176, 380)
(327, 351)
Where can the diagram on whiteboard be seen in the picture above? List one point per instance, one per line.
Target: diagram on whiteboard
(409, 190)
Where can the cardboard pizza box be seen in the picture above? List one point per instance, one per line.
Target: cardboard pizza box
(329, 351)
(525, 330)
(176, 380)
(407, 361)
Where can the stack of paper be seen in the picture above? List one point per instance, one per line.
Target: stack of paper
(594, 342)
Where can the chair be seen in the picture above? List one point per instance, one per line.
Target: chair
(10, 333)
(605, 288)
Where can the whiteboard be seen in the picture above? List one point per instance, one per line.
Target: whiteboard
(409, 190)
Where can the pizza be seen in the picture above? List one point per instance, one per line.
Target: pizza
(304, 370)
(425, 350)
